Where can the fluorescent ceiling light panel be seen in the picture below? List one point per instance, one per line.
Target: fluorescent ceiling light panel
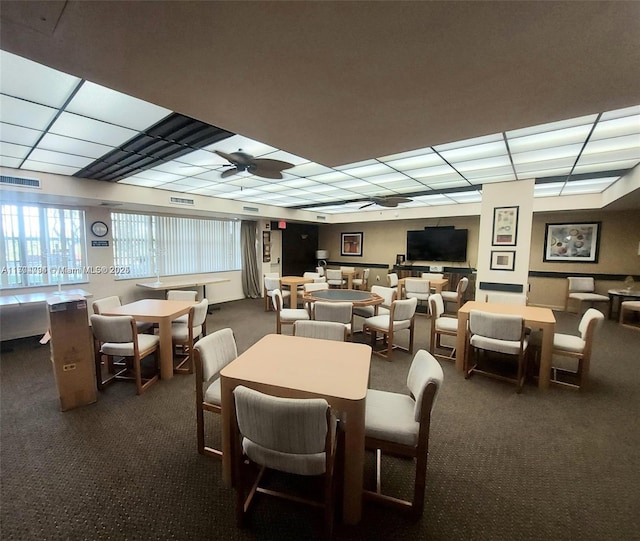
(484, 163)
(428, 159)
(576, 135)
(59, 158)
(552, 126)
(547, 190)
(474, 153)
(14, 151)
(369, 170)
(34, 82)
(334, 176)
(158, 175)
(49, 167)
(308, 169)
(24, 113)
(95, 101)
(363, 163)
(88, 129)
(465, 143)
(425, 173)
(240, 143)
(618, 127)
(59, 143)
(18, 135)
(597, 167)
(138, 181)
(7, 161)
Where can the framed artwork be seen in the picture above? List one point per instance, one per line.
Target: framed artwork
(503, 260)
(505, 226)
(351, 244)
(575, 243)
(266, 246)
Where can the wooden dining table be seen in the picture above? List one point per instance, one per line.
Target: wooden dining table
(162, 313)
(535, 317)
(297, 367)
(292, 282)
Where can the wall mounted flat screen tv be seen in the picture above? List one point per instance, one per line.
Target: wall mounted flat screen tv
(437, 244)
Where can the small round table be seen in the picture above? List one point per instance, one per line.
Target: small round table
(355, 296)
(621, 295)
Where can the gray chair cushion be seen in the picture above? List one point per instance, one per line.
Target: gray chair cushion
(390, 417)
(212, 391)
(300, 464)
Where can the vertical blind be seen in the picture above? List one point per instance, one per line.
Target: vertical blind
(41, 246)
(148, 245)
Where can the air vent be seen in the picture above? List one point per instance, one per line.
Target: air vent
(182, 201)
(17, 181)
(251, 209)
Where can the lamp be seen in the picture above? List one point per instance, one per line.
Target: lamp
(322, 256)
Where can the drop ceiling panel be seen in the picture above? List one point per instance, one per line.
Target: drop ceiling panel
(88, 129)
(24, 113)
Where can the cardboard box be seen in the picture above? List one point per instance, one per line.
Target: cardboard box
(72, 351)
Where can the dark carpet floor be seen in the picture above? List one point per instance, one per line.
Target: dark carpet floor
(560, 464)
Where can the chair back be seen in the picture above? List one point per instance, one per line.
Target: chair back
(425, 370)
(115, 329)
(323, 330)
(320, 270)
(403, 310)
(200, 313)
(463, 284)
(181, 295)
(286, 434)
(101, 305)
(272, 274)
(392, 279)
(436, 306)
(334, 274)
(432, 276)
(417, 285)
(340, 312)
(496, 326)
(582, 284)
(387, 293)
(507, 298)
(278, 301)
(271, 283)
(316, 286)
(590, 323)
(215, 351)
(311, 275)
(348, 269)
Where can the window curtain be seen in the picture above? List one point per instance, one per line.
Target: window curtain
(250, 270)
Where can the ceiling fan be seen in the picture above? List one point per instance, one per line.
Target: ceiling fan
(390, 201)
(261, 167)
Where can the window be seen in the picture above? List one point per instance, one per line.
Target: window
(41, 246)
(168, 245)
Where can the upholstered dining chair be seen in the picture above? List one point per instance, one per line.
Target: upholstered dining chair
(316, 286)
(497, 333)
(399, 424)
(334, 278)
(432, 276)
(106, 303)
(286, 316)
(185, 334)
(456, 297)
(118, 337)
(291, 435)
(338, 312)
(360, 313)
(315, 276)
(417, 288)
(362, 282)
(400, 317)
(441, 325)
(392, 280)
(574, 347)
(323, 330)
(271, 283)
(181, 295)
(626, 308)
(507, 298)
(582, 289)
(211, 354)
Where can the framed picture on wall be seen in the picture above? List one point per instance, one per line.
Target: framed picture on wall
(503, 260)
(505, 226)
(575, 243)
(351, 244)
(266, 246)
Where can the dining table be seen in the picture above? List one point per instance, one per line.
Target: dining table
(292, 282)
(535, 317)
(298, 367)
(162, 313)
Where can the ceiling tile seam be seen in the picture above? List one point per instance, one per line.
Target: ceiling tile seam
(450, 165)
(53, 120)
(506, 142)
(575, 163)
(404, 173)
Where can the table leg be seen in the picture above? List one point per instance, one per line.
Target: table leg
(461, 340)
(350, 281)
(293, 300)
(610, 306)
(544, 376)
(353, 463)
(166, 348)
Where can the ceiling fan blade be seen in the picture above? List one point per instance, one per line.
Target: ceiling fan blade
(367, 205)
(387, 203)
(265, 173)
(236, 158)
(229, 172)
(266, 163)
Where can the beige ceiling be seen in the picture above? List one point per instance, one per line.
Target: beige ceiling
(339, 82)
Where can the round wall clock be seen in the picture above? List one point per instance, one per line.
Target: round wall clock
(99, 229)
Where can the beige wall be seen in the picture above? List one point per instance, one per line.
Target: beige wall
(620, 236)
